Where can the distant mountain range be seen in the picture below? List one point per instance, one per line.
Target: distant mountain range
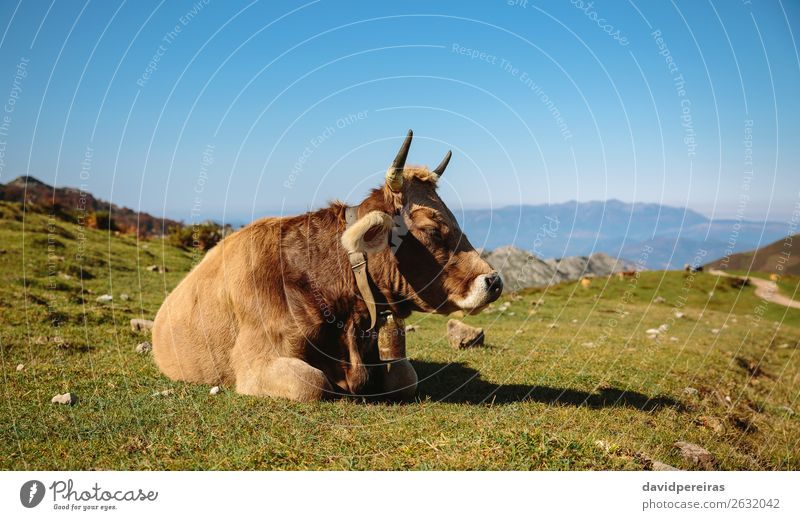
(657, 236)
(776, 257)
(651, 235)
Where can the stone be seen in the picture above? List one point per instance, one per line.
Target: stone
(588, 344)
(68, 398)
(673, 338)
(461, 335)
(663, 327)
(714, 331)
(653, 332)
(695, 454)
(104, 298)
(411, 328)
(712, 423)
(659, 299)
(691, 391)
(124, 297)
(603, 445)
(214, 390)
(144, 347)
(679, 314)
(20, 367)
(660, 466)
(139, 324)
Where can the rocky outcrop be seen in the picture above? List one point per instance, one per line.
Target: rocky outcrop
(521, 269)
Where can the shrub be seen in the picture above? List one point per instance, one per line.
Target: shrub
(202, 236)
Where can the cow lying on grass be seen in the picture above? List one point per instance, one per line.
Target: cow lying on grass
(275, 308)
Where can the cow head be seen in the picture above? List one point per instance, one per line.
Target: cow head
(417, 245)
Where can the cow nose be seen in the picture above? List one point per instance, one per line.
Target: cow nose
(494, 285)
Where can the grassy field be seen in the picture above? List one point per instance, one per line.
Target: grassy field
(569, 378)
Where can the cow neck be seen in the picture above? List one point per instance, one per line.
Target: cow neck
(358, 263)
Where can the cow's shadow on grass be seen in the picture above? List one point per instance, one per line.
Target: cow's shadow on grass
(459, 383)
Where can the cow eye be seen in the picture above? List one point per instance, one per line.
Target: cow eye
(434, 233)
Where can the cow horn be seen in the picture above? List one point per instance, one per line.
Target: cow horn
(442, 165)
(394, 177)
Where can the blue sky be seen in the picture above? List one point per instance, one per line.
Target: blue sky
(229, 110)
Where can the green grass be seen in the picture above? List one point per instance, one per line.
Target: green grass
(593, 392)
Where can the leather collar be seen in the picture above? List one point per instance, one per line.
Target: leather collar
(358, 263)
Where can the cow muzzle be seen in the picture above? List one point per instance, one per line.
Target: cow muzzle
(485, 289)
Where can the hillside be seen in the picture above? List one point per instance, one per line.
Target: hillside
(77, 204)
(570, 378)
(521, 269)
(781, 257)
(671, 236)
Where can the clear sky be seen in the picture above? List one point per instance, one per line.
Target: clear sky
(223, 109)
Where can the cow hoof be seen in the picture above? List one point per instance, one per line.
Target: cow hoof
(400, 381)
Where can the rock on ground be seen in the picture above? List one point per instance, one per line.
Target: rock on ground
(461, 335)
(138, 324)
(20, 367)
(68, 398)
(104, 298)
(695, 454)
(214, 390)
(144, 347)
(660, 466)
(712, 423)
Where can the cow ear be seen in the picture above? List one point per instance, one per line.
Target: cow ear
(370, 233)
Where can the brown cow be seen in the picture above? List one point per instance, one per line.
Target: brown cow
(275, 310)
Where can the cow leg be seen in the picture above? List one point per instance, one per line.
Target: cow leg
(286, 377)
(399, 380)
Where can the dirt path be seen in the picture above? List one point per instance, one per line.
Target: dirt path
(764, 289)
